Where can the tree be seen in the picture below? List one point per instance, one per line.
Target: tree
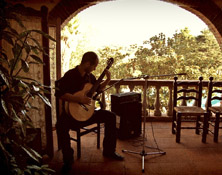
(69, 41)
(183, 53)
(17, 91)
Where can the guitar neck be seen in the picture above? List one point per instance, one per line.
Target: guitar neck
(96, 85)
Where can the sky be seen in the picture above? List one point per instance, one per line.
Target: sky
(125, 22)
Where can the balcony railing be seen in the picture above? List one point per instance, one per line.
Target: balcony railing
(156, 85)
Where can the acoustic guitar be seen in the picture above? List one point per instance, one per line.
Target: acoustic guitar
(83, 112)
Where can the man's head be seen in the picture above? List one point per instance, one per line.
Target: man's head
(90, 61)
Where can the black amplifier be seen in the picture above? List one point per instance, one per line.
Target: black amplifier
(117, 100)
(125, 98)
(128, 108)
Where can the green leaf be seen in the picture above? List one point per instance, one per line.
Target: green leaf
(33, 156)
(25, 66)
(44, 34)
(23, 34)
(35, 153)
(15, 17)
(14, 32)
(33, 62)
(26, 78)
(11, 62)
(4, 106)
(48, 170)
(16, 50)
(45, 99)
(45, 90)
(36, 58)
(15, 117)
(27, 48)
(4, 78)
(35, 50)
(3, 57)
(28, 171)
(38, 46)
(35, 167)
(36, 88)
(23, 84)
(3, 148)
(7, 38)
(45, 166)
(28, 105)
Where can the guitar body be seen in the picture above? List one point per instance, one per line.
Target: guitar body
(82, 112)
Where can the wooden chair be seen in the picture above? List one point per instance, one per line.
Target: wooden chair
(80, 130)
(185, 91)
(215, 111)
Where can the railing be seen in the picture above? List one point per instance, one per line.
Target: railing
(157, 85)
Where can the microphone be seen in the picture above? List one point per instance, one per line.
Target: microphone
(181, 74)
(167, 75)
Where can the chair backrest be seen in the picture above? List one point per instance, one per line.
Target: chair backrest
(214, 92)
(59, 102)
(185, 91)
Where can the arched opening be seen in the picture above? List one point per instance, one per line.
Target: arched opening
(210, 25)
(208, 11)
(121, 68)
(211, 14)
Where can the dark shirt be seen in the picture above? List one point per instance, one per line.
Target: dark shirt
(73, 82)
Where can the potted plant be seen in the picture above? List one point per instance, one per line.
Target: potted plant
(16, 95)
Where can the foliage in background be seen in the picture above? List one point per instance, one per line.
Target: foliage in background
(69, 44)
(17, 91)
(182, 53)
(195, 55)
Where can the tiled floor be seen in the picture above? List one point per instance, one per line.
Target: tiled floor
(190, 157)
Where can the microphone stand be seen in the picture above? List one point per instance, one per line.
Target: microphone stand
(143, 153)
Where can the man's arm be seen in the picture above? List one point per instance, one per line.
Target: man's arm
(76, 98)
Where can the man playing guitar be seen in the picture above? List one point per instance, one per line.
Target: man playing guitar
(69, 87)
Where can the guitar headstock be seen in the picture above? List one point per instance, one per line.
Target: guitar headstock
(109, 62)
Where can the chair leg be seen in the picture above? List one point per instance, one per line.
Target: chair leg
(198, 125)
(205, 127)
(216, 128)
(178, 128)
(78, 144)
(58, 140)
(173, 122)
(98, 135)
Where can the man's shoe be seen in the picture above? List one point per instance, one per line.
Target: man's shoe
(113, 155)
(66, 168)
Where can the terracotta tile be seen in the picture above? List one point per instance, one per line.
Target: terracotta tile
(191, 156)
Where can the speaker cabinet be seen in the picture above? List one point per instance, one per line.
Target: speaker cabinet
(128, 117)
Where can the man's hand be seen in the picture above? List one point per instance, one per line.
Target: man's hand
(85, 100)
(108, 74)
(108, 78)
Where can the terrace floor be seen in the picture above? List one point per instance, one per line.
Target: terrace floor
(190, 157)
